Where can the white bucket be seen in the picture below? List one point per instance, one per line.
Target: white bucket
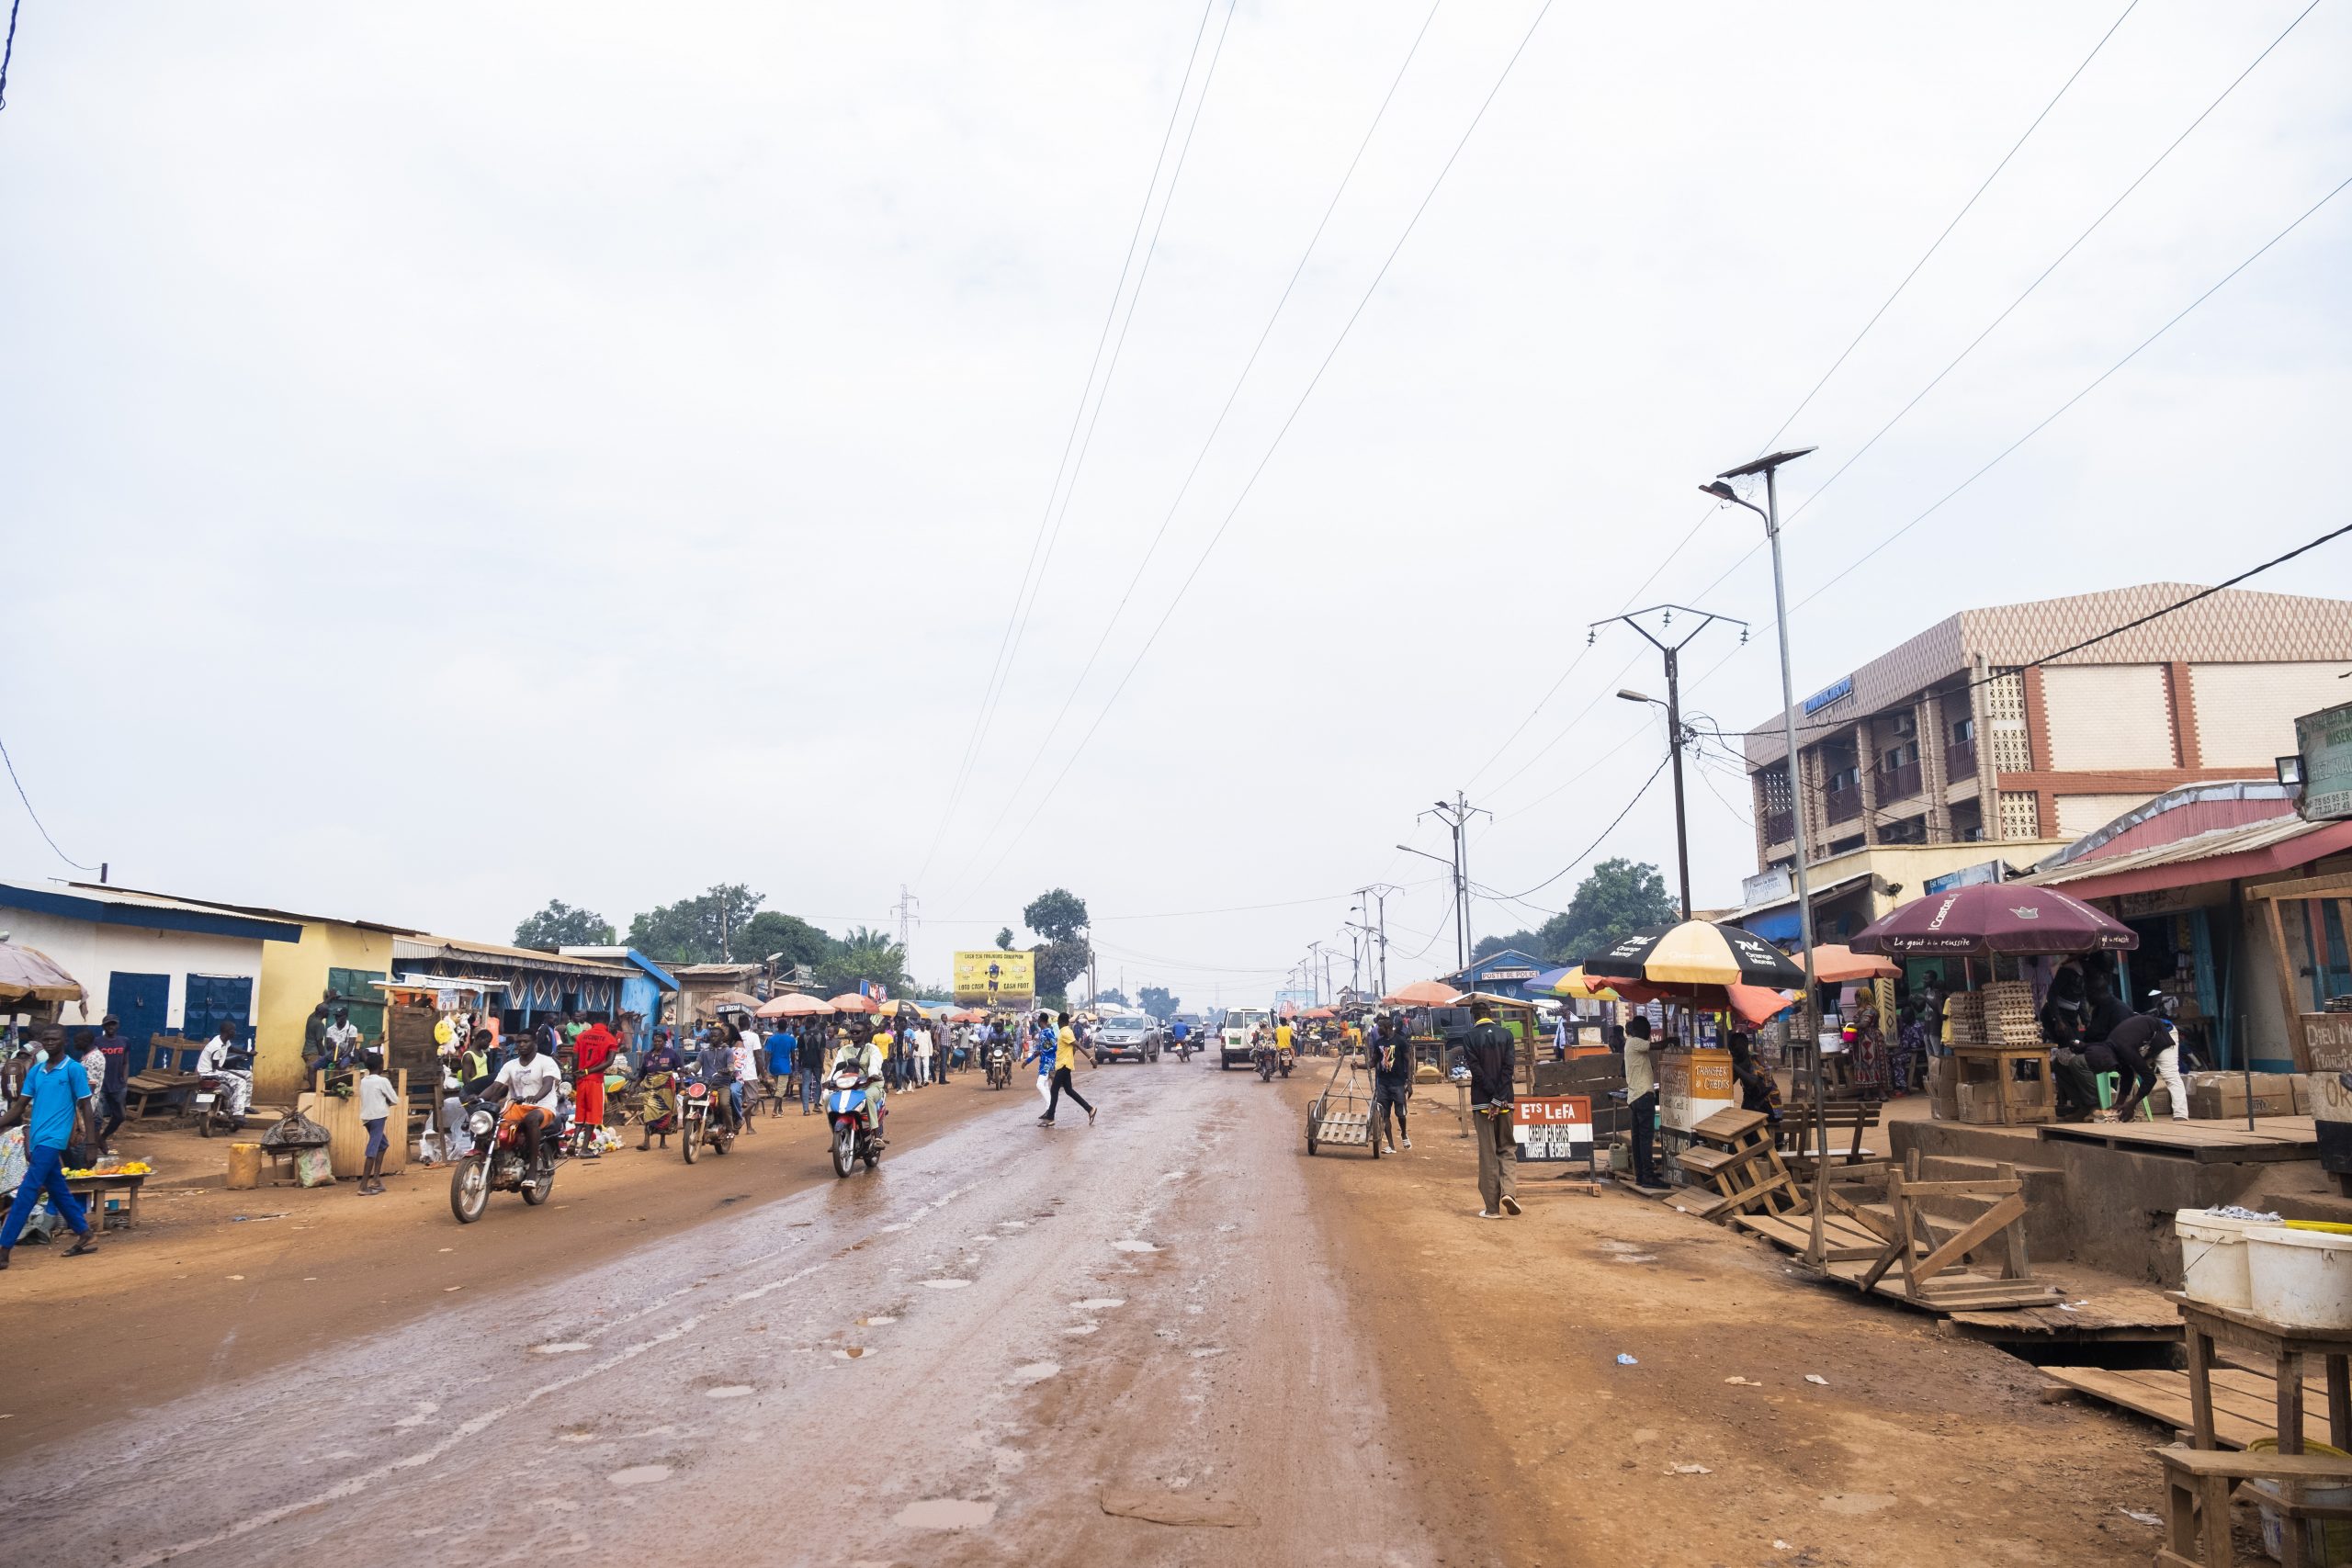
(2303, 1278)
(2214, 1258)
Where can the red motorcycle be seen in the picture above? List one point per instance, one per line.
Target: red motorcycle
(497, 1164)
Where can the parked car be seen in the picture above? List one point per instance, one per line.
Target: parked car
(1233, 1037)
(1127, 1039)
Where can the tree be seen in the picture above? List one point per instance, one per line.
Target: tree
(787, 937)
(1004, 939)
(1158, 1001)
(1058, 963)
(863, 955)
(1526, 942)
(1115, 997)
(1616, 898)
(1057, 915)
(561, 925)
(697, 931)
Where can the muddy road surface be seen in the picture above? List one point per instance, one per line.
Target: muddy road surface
(1120, 1343)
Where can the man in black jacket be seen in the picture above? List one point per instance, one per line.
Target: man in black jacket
(1490, 1054)
(1392, 1080)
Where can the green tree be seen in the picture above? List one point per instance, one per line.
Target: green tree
(1058, 963)
(1004, 939)
(1057, 915)
(1157, 1000)
(1526, 942)
(863, 955)
(788, 938)
(697, 931)
(1115, 997)
(561, 925)
(1616, 898)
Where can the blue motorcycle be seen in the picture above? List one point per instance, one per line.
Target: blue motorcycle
(856, 1125)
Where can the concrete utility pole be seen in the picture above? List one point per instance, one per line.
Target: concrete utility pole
(1456, 814)
(1376, 896)
(1676, 735)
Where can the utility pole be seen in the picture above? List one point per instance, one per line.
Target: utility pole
(1456, 814)
(906, 909)
(1367, 898)
(1314, 980)
(1677, 736)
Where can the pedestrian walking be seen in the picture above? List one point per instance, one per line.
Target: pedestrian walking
(52, 1103)
(815, 1046)
(925, 1048)
(112, 1095)
(1066, 1056)
(1641, 1099)
(1392, 1081)
(378, 1100)
(1040, 1048)
(1492, 1058)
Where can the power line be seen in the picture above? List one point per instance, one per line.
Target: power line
(1185, 488)
(1522, 896)
(1835, 365)
(6, 55)
(1313, 381)
(12, 779)
(1000, 669)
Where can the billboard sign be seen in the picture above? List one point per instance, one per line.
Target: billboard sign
(993, 976)
(2323, 739)
(1551, 1127)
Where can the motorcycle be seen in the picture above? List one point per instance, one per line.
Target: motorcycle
(214, 1094)
(1263, 1058)
(999, 1066)
(700, 1120)
(850, 1112)
(1183, 1050)
(496, 1164)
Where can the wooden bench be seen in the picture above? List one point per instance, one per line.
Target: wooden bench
(2198, 1483)
(1733, 1156)
(1843, 1122)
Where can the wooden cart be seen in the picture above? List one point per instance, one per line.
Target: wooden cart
(1341, 1115)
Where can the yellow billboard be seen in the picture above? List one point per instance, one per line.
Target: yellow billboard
(991, 976)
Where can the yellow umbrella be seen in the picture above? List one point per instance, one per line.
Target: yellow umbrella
(1576, 983)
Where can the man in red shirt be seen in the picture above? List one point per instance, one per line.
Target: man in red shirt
(592, 1053)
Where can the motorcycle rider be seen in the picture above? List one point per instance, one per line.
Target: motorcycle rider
(714, 1064)
(1183, 1032)
(861, 1050)
(533, 1085)
(224, 1058)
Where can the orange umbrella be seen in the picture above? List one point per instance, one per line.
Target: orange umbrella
(1836, 964)
(793, 1004)
(1422, 994)
(1752, 1005)
(849, 1001)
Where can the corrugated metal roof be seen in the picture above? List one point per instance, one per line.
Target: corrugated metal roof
(523, 958)
(256, 909)
(2199, 846)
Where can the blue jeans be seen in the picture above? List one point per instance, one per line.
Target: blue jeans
(45, 1172)
(808, 1091)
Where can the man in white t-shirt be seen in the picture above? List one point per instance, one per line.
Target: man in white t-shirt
(1641, 1099)
(533, 1085)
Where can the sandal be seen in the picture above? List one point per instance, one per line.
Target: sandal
(80, 1246)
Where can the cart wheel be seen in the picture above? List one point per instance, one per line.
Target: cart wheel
(1310, 1139)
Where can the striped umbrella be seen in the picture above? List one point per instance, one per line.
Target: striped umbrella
(1577, 983)
(1697, 953)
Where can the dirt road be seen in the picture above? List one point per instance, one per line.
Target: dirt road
(1170, 1338)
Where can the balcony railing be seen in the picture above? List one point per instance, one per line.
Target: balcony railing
(1898, 783)
(1843, 804)
(1780, 827)
(1959, 760)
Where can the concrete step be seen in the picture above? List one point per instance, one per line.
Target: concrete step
(2043, 1184)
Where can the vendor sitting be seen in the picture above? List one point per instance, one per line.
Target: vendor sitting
(1758, 1091)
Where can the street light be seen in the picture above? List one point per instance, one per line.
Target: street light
(1720, 488)
(1677, 736)
(1634, 696)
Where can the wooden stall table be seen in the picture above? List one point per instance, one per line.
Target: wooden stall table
(2198, 1483)
(96, 1187)
(1991, 1090)
(2205, 1326)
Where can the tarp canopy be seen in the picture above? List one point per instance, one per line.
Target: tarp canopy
(29, 974)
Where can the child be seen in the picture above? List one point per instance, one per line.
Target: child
(378, 1100)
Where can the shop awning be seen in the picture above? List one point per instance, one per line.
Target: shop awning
(1777, 920)
(2256, 848)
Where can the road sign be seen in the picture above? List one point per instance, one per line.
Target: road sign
(2325, 741)
(1551, 1127)
(993, 976)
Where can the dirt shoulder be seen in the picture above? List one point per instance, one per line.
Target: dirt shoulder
(1501, 1376)
(196, 1295)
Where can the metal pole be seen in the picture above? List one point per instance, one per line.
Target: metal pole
(1674, 740)
(1796, 801)
(1462, 876)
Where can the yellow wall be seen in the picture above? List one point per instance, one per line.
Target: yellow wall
(293, 980)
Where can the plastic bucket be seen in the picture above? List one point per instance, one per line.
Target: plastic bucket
(2214, 1258)
(2299, 1277)
(2327, 1543)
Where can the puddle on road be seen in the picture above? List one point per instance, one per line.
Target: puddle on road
(1081, 1328)
(1013, 1224)
(1036, 1372)
(945, 1284)
(560, 1346)
(423, 1412)
(946, 1514)
(1131, 1245)
(730, 1391)
(850, 1352)
(639, 1475)
(875, 1322)
(1098, 1304)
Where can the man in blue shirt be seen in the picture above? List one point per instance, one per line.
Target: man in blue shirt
(55, 1093)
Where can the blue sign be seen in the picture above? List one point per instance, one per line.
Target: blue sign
(1827, 694)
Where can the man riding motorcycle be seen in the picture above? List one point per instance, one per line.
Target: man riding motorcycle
(863, 1052)
(714, 1065)
(1183, 1033)
(533, 1085)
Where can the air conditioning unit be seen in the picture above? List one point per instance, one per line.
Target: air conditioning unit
(1904, 724)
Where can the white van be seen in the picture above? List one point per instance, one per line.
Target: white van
(1233, 1040)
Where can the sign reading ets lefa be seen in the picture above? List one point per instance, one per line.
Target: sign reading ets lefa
(1551, 1127)
(993, 976)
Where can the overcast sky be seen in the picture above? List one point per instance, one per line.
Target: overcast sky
(460, 455)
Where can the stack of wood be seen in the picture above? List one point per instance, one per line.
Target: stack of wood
(2008, 1016)
(1965, 1013)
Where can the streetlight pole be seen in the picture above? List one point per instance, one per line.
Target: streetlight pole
(1674, 732)
(1456, 814)
(1769, 467)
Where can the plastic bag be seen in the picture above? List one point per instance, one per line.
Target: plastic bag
(295, 1130)
(313, 1167)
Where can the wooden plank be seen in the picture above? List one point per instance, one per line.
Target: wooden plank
(2239, 1419)
(1982, 1229)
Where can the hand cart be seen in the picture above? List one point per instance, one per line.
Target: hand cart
(1341, 1115)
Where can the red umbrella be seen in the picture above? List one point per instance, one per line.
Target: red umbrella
(1752, 1005)
(1986, 918)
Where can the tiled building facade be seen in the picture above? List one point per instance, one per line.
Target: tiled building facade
(1944, 740)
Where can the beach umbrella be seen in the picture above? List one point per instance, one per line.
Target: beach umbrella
(849, 1001)
(1751, 1005)
(1696, 953)
(793, 1004)
(1837, 965)
(1422, 994)
(1986, 917)
(1577, 983)
(29, 974)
